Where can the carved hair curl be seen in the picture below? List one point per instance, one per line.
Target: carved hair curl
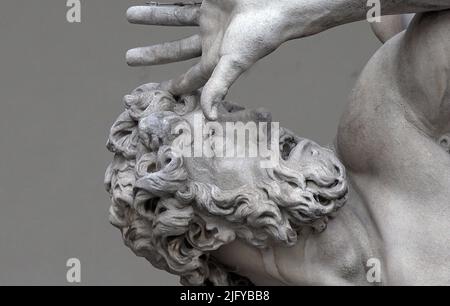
(175, 222)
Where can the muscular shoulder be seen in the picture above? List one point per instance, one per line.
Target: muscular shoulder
(402, 93)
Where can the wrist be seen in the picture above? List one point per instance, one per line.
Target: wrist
(311, 17)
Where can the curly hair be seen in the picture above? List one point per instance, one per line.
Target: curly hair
(175, 222)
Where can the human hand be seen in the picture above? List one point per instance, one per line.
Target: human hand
(234, 34)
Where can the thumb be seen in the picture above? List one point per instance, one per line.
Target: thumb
(227, 71)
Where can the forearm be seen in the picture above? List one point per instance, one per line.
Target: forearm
(326, 14)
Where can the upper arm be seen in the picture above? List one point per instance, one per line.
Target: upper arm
(424, 69)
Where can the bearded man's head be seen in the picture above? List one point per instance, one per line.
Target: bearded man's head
(175, 210)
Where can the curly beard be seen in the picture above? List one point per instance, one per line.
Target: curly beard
(281, 204)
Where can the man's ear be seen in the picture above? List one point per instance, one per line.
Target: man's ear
(391, 26)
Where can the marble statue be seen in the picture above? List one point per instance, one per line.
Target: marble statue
(373, 208)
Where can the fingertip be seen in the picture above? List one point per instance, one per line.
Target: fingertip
(130, 13)
(210, 100)
(132, 57)
(211, 111)
(212, 114)
(133, 14)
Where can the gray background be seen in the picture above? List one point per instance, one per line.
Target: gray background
(61, 88)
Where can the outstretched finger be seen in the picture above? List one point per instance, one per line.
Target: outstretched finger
(193, 79)
(227, 71)
(165, 15)
(169, 52)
